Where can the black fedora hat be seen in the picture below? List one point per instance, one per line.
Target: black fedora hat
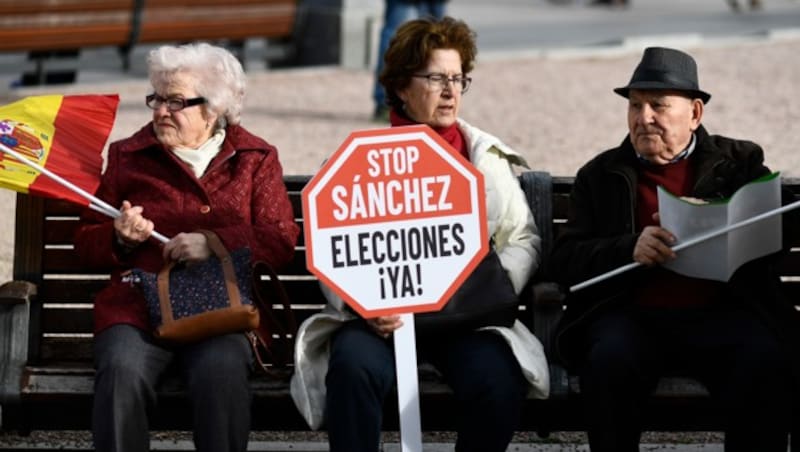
(663, 68)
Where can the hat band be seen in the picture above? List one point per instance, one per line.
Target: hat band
(649, 77)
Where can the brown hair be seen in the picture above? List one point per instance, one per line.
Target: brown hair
(412, 45)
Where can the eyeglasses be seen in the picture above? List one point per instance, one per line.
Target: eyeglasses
(173, 104)
(439, 82)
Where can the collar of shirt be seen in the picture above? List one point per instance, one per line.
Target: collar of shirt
(682, 155)
(199, 159)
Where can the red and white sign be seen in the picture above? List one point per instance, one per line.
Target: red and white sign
(395, 221)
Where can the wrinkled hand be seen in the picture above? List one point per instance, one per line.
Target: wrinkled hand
(653, 246)
(385, 326)
(187, 247)
(131, 227)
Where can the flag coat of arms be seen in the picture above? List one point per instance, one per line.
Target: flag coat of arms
(64, 134)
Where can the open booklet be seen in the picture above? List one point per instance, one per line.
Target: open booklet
(718, 258)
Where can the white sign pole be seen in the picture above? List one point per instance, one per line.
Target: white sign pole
(405, 360)
(690, 242)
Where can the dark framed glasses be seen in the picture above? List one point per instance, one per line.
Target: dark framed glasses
(154, 101)
(438, 81)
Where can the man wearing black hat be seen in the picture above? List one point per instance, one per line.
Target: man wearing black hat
(622, 334)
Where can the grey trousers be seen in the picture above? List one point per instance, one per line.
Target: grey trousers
(129, 364)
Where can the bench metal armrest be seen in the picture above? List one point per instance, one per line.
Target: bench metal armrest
(17, 292)
(15, 302)
(548, 307)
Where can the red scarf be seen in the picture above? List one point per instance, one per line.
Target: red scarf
(451, 134)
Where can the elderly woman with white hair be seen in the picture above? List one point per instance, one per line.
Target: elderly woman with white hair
(193, 167)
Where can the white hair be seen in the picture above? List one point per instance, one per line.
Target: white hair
(218, 76)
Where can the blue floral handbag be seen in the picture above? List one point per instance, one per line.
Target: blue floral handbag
(188, 303)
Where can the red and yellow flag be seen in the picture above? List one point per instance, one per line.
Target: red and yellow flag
(65, 134)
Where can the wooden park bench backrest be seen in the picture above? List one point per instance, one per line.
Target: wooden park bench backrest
(44, 25)
(58, 369)
(191, 20)
(64, 24)
(62, 313)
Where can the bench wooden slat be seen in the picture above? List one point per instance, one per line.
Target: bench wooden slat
(28, 231)
(62, 350)
(80, 321)
(790, 264)
(60, 232)
(62, 261)
(58, 207)
(792, 291)
(560, 205)
(70, 291)
(223, 21)
(56, 350)
(212, 3)
(67, 321)
(297, 205)
(216, 28)
(10, 8)
(84, 290)
(65, 37)
(65, 318)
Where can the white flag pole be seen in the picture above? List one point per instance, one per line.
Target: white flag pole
(95, 203)
(690, 242)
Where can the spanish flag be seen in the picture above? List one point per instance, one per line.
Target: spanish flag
(65, 134)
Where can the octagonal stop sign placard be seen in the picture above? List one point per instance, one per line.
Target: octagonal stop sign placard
(395, 221)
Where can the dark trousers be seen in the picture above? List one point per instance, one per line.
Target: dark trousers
(129, 365)
(485, 377)
(728, 349)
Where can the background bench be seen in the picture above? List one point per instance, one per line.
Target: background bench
(49, 27)
(46, 374)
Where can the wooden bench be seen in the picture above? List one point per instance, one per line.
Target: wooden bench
(46, 322)
(47, 27)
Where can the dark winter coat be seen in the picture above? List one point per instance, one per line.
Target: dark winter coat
(600, 235)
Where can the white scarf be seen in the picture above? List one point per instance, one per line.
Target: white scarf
(198, 159)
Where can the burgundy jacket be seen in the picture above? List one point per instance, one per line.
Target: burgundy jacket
(241, 197)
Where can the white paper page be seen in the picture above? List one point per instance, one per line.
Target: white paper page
(718, 258)
(761, 238)
(685, 220)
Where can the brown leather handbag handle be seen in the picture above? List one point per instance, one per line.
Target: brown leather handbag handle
(270, 324)
(216, 246)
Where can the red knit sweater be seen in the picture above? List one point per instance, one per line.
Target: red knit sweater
(661, 287)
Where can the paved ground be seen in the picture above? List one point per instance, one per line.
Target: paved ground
(543, 84)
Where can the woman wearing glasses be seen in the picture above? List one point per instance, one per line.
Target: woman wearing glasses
(345, 366)
(192, 167)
